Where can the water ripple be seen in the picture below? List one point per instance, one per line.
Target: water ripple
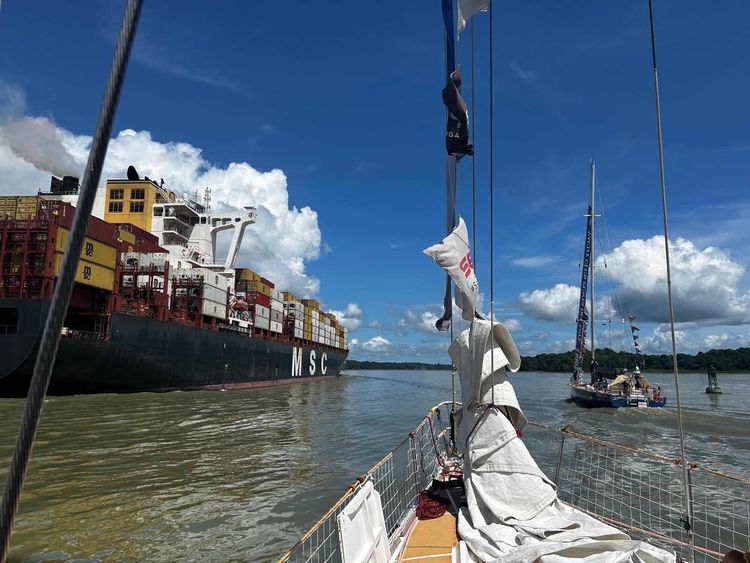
(240, 475)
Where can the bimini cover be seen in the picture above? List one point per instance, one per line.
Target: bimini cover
(362, 534)
(513, 512)
(622, 378)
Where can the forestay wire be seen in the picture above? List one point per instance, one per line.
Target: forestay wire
(688, 517)
(492, 222)
(63, 288)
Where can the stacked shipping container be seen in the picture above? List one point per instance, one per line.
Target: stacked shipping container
(123, 268)
(294, 315)
(277, 311)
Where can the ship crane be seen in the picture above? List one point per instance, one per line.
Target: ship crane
(239, 224)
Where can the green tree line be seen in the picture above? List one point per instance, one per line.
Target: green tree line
(724, 360)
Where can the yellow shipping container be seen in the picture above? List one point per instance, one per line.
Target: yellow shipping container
(126, 236)
(289, 296)
(89, 273)
(259, 287)
(19, 207)
(311, 303)
(91, 251)
(246, 274)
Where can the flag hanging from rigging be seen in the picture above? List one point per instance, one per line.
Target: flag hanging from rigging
(633, 328)
(454, 256)
(457, 128)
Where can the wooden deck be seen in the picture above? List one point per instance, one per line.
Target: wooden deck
(431, 541)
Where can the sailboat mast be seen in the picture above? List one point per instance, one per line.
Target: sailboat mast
(593, 261)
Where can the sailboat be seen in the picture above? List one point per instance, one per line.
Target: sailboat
(615, 388)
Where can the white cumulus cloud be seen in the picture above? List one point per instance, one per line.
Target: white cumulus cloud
(351, 317)
(375, 345)
(557, 304)
(280, 243)
(705, 282)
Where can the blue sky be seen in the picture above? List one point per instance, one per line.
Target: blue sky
(344, 98)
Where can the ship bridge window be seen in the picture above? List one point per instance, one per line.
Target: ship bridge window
(115, 207)
(136, 207)
(8, 320)
(116, 193)
(158, 211)
(137, 193)
(203, 220)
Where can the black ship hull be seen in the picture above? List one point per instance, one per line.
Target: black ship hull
(143, 354)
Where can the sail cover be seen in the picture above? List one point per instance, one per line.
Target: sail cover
(454, 256)
(513, 512)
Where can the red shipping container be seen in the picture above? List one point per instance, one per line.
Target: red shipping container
(259, 298)
(145, 242)
(63, 214)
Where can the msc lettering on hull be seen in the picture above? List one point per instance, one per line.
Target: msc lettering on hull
(315, 365)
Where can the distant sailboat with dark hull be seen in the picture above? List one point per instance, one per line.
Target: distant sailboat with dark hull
(606, 387)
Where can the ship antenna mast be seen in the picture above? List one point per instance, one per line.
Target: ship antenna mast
(207, 199)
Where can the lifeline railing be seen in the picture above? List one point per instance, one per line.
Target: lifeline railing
(641, 492)
(399, 478)
(634, 490)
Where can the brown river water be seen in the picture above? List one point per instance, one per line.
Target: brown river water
(240, 475)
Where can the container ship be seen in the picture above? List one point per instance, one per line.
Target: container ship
(151, 309)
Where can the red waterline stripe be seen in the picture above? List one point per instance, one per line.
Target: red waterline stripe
(266, 383)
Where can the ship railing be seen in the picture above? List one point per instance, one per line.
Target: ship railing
(640, 492)
(399, 478)
(83, 334)
(635, 490)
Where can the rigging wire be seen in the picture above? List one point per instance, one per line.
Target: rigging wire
(473, 158)
(492, 230)
(688, 517)
(607, 268)
(64, 287)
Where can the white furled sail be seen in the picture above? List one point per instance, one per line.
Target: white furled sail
(513, 513)
(454, 256)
